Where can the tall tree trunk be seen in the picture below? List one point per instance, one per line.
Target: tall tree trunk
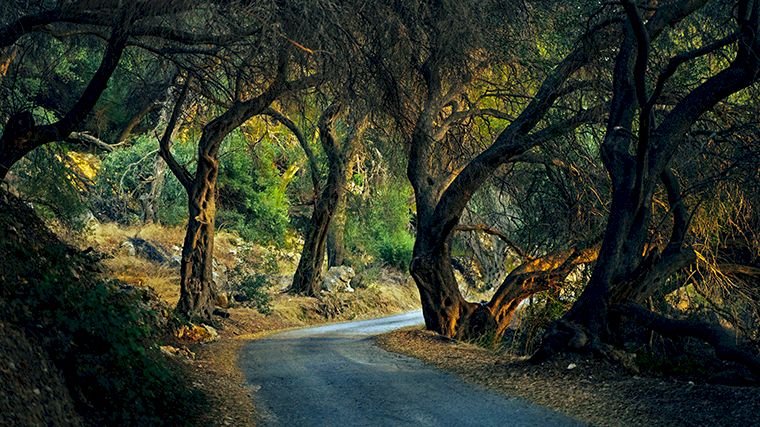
(198, 290)
(336, 233)
(623, 270)
(336, 243)
(308, 275)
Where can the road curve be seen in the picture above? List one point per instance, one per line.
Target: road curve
(335, 376)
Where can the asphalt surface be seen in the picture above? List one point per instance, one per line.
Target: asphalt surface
(335, 376)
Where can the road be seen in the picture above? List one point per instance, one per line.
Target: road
(335, 376)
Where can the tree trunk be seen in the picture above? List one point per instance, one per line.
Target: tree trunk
(308, 275)
(197, 287)
(150, 199)
(336, 245)
(443, 306)
(336, 242)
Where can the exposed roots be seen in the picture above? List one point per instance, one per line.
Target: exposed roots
(719, 338)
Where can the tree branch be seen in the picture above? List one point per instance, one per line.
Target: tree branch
(165, 143)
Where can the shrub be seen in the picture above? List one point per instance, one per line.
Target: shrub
(50, 178)
(380, 226)
(101, 334)
(396, 250)
(252, 195)
(103, 338)
(250, 284)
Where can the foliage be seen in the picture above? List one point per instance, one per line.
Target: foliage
(51, 180)
(252, 187)
(379, 226)
(250, 284)
(102, 335)
(534, 318)
(122, 180)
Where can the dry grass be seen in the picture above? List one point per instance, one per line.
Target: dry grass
(594, 391)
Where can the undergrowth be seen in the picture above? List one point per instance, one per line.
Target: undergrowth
(101, 334)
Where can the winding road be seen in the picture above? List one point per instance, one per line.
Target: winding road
(334, 375)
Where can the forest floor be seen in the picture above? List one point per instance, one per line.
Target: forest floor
(592, 391)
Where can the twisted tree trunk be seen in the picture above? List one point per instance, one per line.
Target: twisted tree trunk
(308, 276)
(198, 290)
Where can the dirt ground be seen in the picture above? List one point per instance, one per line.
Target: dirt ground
(592, 391)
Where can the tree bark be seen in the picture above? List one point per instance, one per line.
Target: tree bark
(336, 241)
(308, 275)
(198, 290)
(336, 233)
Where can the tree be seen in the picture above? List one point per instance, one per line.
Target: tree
(340, 152)
(21, 135)
(449, 69)
(628, 267)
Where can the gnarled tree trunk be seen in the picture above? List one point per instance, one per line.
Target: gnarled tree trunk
(308, 275)
(198, 290)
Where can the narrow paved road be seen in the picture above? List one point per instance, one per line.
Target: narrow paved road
(335, 376)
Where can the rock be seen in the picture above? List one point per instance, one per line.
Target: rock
(222, 300)
(211, 331)
(175, 261)
(198, 333)
(129, 247)
(572, 366)
(153, 252)
(175, 352)
(338, 279)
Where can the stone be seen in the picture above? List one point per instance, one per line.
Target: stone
(175, 352)
(211, 331)
(175, 261)
(222, 300)
(198, 333)
(129, 248)
(338, 279)
(153, 252)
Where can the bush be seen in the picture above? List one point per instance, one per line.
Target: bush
(380, 227)
(103, 338)
(396, 250)
(249, 285)
(51, 179)
(102, 335)
(252, 195)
